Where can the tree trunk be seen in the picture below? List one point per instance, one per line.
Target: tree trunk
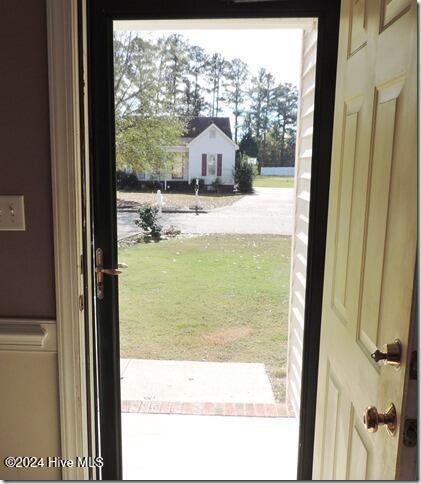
(283, 142)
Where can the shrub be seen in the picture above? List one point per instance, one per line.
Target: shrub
(216, 184)
(153, 185)
(201, 183)
(126, 180)
(244, 175)
(148, 220)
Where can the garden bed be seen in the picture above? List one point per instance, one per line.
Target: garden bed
(176, 201)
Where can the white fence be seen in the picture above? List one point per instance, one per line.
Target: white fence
(277, 170)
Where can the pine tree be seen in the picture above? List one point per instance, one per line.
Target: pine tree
(237, 74)
(286, 100)
(197, 65)
(257, 96)
(216, 69)
(175, 52)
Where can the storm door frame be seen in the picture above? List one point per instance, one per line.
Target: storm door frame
(101, 14)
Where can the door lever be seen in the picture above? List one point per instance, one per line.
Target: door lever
(100, 271)
(111, 272)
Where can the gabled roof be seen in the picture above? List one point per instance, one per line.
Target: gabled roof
(198, 124)
(217, 129)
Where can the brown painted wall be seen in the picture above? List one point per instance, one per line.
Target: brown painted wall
(26, 258)
(29, 420)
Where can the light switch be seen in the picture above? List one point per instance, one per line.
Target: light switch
(12, 212)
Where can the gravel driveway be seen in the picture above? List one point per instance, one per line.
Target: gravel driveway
(267, 211)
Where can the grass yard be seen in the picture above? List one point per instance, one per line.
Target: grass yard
(209, 298)
(274, 181)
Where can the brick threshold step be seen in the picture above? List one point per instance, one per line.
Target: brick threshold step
(206, 408)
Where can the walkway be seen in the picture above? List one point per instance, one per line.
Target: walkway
(267, 211)
(197, 388)
(192, 447)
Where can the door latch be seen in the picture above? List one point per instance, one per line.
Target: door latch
(100, 271)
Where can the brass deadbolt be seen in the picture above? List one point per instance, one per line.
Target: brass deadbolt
(373, 419)
(391, 354)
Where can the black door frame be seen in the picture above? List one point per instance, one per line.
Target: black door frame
(101, 13)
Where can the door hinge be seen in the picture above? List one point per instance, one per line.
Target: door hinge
(410, 432)
(81, 302)
(413, 366)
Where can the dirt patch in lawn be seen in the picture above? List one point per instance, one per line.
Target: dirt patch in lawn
(226, 336)
(177, 201)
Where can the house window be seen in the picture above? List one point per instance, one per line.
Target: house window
(177, 169)
(177, 172)
(211, 164)
(212, 133)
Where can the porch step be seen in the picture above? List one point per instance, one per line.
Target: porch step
(206, 408)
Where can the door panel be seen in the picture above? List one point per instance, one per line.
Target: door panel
(358, 26)
(371, 241)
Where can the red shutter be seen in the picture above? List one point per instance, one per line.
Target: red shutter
(219, 165)
(204, 159)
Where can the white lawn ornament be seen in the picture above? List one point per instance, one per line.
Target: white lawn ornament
(159, 200)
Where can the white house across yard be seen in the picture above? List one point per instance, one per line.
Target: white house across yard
(206, 151)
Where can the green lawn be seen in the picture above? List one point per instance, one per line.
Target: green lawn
(274, 181)
(208, 298)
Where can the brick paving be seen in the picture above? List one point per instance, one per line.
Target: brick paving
(206, 408)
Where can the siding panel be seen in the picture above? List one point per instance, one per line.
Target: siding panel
(302, 199)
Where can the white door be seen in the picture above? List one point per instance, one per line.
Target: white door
(371, 242)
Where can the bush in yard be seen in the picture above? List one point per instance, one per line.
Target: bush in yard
(153, 185)
(244, 175)
(148, 220)
(126, 181)
(201, 183)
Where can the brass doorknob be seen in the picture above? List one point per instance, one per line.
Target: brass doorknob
(391, 354)
(373, 419)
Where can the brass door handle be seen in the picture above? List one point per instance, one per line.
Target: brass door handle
(391, 354)
(111, 272)
(100, 271)
(373, 419)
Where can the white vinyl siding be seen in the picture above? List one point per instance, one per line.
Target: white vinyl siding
(212, 147)
(301, 218)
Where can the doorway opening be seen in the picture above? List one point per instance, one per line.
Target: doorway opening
(213, 158)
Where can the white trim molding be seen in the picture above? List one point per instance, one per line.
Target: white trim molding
(18, 334)
(63, 67)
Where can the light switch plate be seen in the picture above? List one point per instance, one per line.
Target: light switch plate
(12, 212)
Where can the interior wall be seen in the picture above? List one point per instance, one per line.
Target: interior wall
(26, 258)
(29, 417)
